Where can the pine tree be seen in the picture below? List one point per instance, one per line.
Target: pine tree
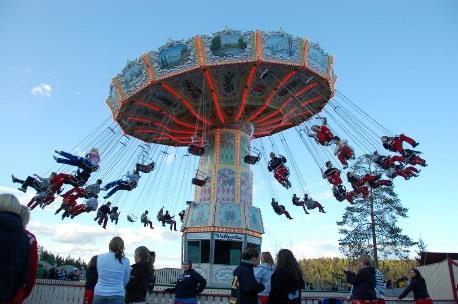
(357, 227)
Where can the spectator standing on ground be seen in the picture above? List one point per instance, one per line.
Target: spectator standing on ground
(363, 290)
(418, 287)
(113, 270)
(152, 277)
(189, 285)
(32, 266)
(379, 286)
(263, 274)
(91, 281)
(287, 280)
(139, 276)
(14, 248)
(245, 288)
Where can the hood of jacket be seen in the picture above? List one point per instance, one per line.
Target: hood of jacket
(10, 221)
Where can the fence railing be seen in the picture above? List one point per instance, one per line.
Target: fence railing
(67, 292)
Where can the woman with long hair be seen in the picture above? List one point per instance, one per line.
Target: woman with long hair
(418, 287)
(139, 276)
(113, 274)
(287, 280)
(263, 274)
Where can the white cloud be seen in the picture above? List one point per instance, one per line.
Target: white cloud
(42, 89)
(315, 249)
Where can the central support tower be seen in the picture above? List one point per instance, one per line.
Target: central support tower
(221, 221)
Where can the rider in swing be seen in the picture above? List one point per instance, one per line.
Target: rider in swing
(280, 209)
(297, 202)
(321, 133)
(281, 172)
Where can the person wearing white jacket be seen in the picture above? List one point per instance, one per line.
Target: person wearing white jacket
(262, 274)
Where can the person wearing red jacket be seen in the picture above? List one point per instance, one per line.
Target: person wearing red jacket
(411, 157)
(32, 265)
(394, 144)
(332, 174)
(322, 134)
(343, 151)
(69, 200)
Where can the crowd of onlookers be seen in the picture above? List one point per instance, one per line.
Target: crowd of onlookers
(58, 274)
(111, 279)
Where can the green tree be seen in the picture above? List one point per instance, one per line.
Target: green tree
(370, 226)
(216, 44)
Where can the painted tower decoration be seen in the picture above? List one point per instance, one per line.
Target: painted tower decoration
(220, 91)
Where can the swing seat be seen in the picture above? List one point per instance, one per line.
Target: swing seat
(251, 159)
(131, 218)
(340, 193)
(200, 182)
(197, 150)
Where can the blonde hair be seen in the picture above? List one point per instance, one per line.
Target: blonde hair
(10, 203)
(25, 215)
(117, 246)
(365, 260)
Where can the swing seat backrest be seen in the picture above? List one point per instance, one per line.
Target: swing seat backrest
(199, 182)
(251, 159)
(196, 150)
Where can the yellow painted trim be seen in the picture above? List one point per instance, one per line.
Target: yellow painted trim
(306, 53)
(237, 166)
(216, 150)
(222, 229)
(149, 67)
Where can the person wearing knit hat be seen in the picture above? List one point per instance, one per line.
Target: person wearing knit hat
(14, 248)
(189, 285)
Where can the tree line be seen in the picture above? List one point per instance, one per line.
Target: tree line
(56, 260)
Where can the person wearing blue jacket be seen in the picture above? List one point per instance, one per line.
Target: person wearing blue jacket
(245, 288)
(189, 285)
(263, 274)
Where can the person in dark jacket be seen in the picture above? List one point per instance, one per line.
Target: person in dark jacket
(287, 280)
(152, 276)
(139, 276)
(189, 284)
(418, 287)
(245, 288)
(363, 281)
(91, 280)
(102, 214)
(281, 172)
(14, 248)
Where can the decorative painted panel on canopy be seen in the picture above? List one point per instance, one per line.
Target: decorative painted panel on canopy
(255, 219)
(199, 215)
(229, 214)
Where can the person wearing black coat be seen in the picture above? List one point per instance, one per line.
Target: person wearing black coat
(287, 280)
(139, 276)
(363, 281)
(418, 287)
(14, 248)
(91, 280)
(189, 285)
(245, 288)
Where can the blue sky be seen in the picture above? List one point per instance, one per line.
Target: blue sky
(395, 59)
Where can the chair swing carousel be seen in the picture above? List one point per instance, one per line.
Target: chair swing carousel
(227, 99)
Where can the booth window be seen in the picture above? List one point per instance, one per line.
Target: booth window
(228, 253)
(199, 251)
